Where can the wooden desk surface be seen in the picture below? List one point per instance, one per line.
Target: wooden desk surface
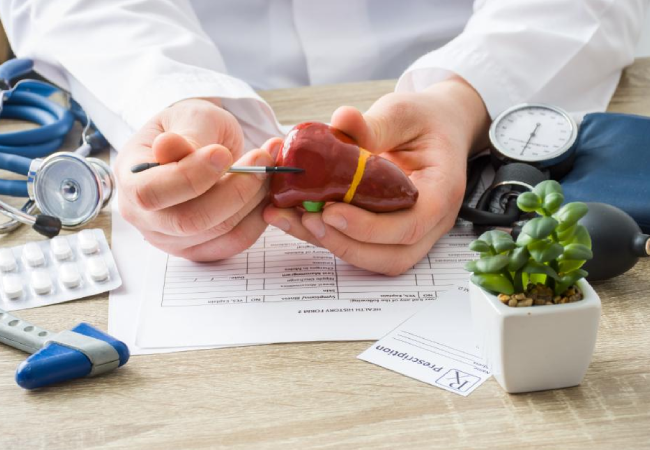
(318, 395)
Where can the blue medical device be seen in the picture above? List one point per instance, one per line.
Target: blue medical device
(68, 188)
(56, 357)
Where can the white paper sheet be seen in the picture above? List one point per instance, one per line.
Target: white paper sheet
(286, 290)
(131, 253)
(436, 345)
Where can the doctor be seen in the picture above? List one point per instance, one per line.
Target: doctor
(174, 80)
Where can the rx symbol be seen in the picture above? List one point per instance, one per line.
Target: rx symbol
(458, 380)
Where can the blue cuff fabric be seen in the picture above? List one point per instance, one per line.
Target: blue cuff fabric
(612, 164)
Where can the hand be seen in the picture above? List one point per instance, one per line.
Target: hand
(429, 135)
(189, 206)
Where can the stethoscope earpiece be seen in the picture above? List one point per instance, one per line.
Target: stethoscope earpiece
(48, 226)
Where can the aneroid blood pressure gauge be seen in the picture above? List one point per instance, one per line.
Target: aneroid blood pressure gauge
(529, 143)
(536, 134)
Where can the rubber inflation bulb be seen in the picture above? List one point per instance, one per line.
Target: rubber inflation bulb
(617, 242)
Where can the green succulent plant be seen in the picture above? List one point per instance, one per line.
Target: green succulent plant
(550, 249)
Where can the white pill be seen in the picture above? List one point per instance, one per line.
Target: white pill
(97, 269)
(12, 285)
(33, 254)
(61, 248)
(87, 241)
(7, 260)
(41, 282)
(69, 275)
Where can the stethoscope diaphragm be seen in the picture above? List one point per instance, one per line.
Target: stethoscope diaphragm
(70, 187)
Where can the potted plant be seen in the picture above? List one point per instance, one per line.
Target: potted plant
(535, 315)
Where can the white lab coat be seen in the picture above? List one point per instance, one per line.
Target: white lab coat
(125, 60)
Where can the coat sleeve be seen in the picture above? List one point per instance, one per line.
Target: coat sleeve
(126, 60)
(565, 52)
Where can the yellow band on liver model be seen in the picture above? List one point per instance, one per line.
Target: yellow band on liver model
(356, 179)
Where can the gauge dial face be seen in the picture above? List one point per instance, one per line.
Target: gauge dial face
(533, 133)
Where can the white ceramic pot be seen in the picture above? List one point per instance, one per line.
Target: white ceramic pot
(538, 347)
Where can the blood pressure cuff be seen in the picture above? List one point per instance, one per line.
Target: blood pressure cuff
(612, 164)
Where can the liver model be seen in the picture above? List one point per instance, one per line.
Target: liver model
(336, 169)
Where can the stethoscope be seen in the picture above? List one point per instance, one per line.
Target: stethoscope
(530, 143)
(68, 188)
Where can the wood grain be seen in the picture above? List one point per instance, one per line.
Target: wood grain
(319, 395)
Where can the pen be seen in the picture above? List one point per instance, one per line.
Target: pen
(234, 169)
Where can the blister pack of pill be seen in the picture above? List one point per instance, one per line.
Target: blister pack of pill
(56, 270)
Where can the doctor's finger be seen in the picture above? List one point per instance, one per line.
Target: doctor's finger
(149, 226)
(150, 145)
(234, 242)
(203, 122)
(435, 202)
(289, 220)
(386, 259)
(231, 194)
(171, 147)
(177, 182)
(391, 122)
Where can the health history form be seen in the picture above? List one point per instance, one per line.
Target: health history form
(285, 290)
(279, 268)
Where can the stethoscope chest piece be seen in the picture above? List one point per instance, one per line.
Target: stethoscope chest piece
(70, 187)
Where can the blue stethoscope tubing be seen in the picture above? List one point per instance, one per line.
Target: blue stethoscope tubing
(29, 101)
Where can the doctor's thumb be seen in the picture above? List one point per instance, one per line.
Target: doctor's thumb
(171, 147)
(378, 130)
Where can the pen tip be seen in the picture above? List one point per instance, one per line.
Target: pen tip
(290, 169)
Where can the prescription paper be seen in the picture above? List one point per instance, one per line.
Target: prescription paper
(436, 346)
